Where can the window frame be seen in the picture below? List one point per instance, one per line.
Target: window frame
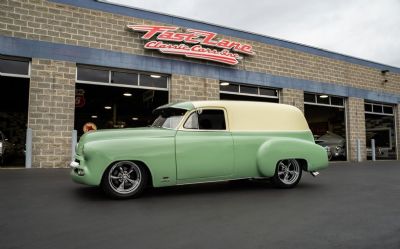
(189, 114)
(382, 105)
(258, 94)
(109, 83)
(13, 58)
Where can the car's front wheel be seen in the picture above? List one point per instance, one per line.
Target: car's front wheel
(287, 173)
(124, 179)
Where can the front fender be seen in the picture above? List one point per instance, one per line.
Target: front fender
(158, 154)
(277, 149)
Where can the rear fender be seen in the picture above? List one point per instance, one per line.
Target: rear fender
(277, 149)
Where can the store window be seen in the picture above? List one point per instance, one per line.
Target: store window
(13, 66)
(236, 91)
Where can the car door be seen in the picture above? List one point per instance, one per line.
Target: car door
(204, 146)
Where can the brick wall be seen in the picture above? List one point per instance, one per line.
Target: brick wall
(397, 129)
(47, 21)
(356, 127)
(51, 112)
(183, 88)
(293, 97)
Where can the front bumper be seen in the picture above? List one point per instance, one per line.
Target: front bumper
(81, 173)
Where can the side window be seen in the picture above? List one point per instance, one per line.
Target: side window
(192, 122)
(206, 120)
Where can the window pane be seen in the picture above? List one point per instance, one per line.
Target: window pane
(248, 89)
(192, 122)
(124, 78)
(337, 101)
(388, 109)
(377, 108)
(322, 100)
(308, 97)
(212, 120)
(268, 92)
(153, 81)
(230, 88)
(90, 74)
(14, 66)
(368, 107)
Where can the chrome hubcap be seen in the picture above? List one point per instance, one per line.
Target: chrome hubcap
(288, 171)
(124, 177)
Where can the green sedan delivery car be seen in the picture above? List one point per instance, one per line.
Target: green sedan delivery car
(201, 141)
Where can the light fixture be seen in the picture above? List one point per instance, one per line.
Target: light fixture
(384, 71)
(224, 83)
(107, 107)
(94, 116)
(134, 118)
(155, 76)
(127, 94)
(323, 96)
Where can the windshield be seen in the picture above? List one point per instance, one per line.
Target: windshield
(168, 118)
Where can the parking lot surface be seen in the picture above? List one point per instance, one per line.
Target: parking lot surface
(347, 206)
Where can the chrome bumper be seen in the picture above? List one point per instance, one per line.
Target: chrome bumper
(74, 165)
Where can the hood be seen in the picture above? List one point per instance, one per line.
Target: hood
(111, 134)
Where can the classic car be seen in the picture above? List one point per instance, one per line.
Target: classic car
(334, 144)
(198, 142)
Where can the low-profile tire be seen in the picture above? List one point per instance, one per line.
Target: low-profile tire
(124, 179)
(287, 173)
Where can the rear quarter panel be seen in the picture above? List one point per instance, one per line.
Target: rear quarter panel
(257, 153)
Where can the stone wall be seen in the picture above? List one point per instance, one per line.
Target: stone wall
(356, 128)
(183, 88)
(292, 97)
(51, 112)
(397, 129)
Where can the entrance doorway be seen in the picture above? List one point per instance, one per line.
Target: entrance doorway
(327, 120)
(14, 97)
(380, 126)
(115, 98)
(107, 107)
(14, 101)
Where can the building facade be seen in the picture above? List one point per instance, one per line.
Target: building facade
(77, 65)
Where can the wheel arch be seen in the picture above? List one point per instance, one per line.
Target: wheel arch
(309, 155)
(138, 162)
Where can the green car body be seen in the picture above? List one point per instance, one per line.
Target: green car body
(242, 147)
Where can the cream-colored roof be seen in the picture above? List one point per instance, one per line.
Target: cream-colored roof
(259, 116)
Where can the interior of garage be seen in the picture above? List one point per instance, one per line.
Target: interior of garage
(327, 120)
(380, 126)
(14, 98)
(109, 107)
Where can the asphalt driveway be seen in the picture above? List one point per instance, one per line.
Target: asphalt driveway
(347, 206)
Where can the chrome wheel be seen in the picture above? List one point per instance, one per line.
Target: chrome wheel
(124, 177)
(288, 171)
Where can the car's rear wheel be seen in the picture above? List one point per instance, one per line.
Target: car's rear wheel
(124, 179)
(287, 173)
